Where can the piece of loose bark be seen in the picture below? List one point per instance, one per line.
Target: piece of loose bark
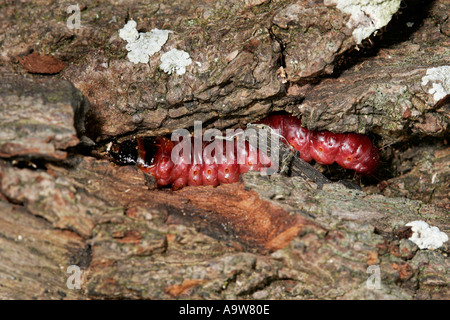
(44, 64)
(290, 161)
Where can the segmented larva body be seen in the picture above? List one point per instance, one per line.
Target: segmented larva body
(199, 170)
(350, 150)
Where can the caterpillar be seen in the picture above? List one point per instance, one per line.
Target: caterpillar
(349, 150)
(201, 171)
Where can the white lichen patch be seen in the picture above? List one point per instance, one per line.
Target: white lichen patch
(426, 236)
(440, 79)
(129, 32)
(175, 61)
(366, 16)
(142, 45)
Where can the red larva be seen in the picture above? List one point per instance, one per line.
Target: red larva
(199, 172)
(349, 150)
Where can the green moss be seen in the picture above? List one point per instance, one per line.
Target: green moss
(35, 251)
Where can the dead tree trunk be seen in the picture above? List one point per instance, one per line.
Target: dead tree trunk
(70, 216)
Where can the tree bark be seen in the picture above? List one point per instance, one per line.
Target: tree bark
(64, 202)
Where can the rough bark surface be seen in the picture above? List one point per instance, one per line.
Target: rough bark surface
(39, 118)
(64, 202)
